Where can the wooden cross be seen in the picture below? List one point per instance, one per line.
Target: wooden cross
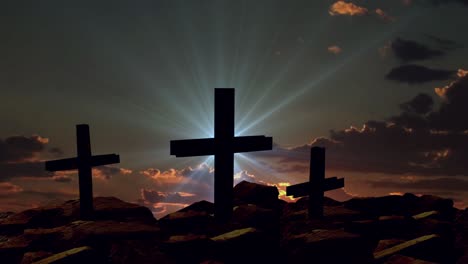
(222, 146)
(317, 185)
(83, 162)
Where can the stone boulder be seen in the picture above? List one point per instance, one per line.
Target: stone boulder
(400, 259)
(405, 205)
(252, 215)
(327, 246)
(138, 251)
(395, 226)
(196, 218)
(429, 248)
(31, 257)
(246, 245)
(461, 239)
(189, 248)
(74, 255)
(106, 208)
(254, 193)
(97, 234)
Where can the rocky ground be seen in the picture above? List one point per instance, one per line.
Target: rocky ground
(264, 229)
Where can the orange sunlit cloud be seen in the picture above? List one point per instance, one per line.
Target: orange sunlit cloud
(7, 188)
(281, 186)
(348, 9)
(442, 91)
(384, 15)
(462, 73)
(334, 49)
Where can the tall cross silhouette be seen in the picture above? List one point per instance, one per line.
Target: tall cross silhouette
(222, 146)
(84, 163)
(317, 184)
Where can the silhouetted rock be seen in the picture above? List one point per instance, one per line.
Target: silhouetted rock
(395, 226)
(387, 243)
(247, 245)
(201, 206)
(321, 246)
(253, 193)
(405, 205)
(428, 247)
(181, 222)
(258, 232)
(74, 255)
(57, 215)
(399, 259)
(195, 248)
(79, 233)
(31, 257)
(138, 251)
(4, 215)
(255, 216)
(367, 227)
(461, 239)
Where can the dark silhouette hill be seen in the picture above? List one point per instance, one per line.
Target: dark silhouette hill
(263, 229)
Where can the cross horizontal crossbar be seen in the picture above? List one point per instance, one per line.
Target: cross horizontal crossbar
(207, 146)
(302, 189)
(72, 163)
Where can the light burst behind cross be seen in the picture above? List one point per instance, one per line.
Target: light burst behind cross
(222, 146)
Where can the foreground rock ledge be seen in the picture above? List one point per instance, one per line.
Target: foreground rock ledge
(264, 229)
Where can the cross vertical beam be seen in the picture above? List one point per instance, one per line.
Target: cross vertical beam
(317, 178)
(83, 147)
(224, 155)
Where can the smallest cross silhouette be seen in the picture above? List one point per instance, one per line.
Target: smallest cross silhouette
(317, 185)
(84, 163)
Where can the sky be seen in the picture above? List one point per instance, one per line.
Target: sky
(382, 85)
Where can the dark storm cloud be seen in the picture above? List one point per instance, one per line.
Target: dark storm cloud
(438, 2)
(382, 148)
(20, 148)
(416, 74)
(446, 44)
(452, 113)
(419, 140)
(18, 157)
(23, 169)
(408, 50)
(446, 184)
(56, 151)
(420, 104)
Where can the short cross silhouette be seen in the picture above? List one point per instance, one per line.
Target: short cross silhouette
(84, 163)
(317, 184)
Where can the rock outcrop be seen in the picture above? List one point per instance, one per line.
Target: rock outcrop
(263, 229)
